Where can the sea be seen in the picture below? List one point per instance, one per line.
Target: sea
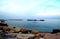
(43, 26)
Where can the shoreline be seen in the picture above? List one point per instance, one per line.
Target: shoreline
(14, 31)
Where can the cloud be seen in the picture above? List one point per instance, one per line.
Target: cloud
(11, 6)
(48, 9)
(47, 13)
(43, 8)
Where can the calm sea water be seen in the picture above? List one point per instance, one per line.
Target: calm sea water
(44, 26)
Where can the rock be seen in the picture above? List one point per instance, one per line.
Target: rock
(34, 32)
(23, 30)
(14, 30)
(17, 30)
(11, 31)
(3, 24)
(31, 37)
(13, 35)
(1, 28)
(5, 28)
(25, 36)
(29, 31)
(55, 31)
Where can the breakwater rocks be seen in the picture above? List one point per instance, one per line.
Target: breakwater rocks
(55, 31)
(23, 33)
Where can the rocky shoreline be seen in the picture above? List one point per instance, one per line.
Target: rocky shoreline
(23, 33)
(9, 32)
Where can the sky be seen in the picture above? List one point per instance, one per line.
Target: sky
(30, 9)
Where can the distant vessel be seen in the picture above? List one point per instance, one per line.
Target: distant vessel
(42, 20)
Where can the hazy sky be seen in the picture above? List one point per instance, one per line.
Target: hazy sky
(29, 8)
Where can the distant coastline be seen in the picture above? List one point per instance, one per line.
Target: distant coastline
(35, 20)
(22, 20)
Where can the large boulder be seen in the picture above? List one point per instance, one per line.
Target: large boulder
(16, 30)
(3, 24)
(5, 28)
(34, 32)
(24, 30)
(55, 31)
